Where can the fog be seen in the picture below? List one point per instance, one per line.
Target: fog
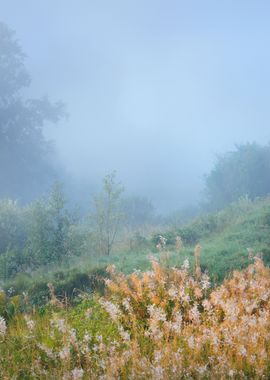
(153, 89)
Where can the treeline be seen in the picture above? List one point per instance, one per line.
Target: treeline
(243, 172)
(48, 231)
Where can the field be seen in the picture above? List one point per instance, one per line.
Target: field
(150, 311)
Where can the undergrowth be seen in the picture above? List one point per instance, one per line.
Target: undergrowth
(164, 323)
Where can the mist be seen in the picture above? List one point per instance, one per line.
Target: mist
(134, 189)
(154, 90)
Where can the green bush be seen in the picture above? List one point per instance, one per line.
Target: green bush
(243, 172)
(67, 285)
(12, 226)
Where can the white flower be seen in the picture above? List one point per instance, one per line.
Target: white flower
(126, 304)
(156, 313)
(185, 265)
(111, 269)
(47, 350)
(173, 293)
(207, 305)
(88, 313)
(77, 373)
(124, 334)
(87, 338)
(64, 354)
(243, 351)
(3, 326)
(205, 282)
(158, 372)
(191, 342)
(72, 336)
(59, 324)
(194, 314)
(202, 369)
(30, 323)
(112, 309)
(178, 320)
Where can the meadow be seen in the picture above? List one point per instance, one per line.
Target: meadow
(155, 308)
(165, 323)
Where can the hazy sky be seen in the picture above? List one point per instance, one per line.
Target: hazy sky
(154, 89)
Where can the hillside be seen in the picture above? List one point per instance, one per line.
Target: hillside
(166, 319)
(227, 239)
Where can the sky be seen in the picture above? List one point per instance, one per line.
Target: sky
(153, 89)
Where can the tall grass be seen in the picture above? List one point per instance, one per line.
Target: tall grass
(164, 323)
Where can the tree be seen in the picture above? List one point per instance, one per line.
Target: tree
(243, 172)
(108, 213)
(48, 229)
(25, 164)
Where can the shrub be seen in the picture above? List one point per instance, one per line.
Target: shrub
(243, 172)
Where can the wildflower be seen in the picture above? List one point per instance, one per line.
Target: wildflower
(177, 324)
(48, 351)
(182, 294)
(59, 324)
(3, 326)
(265, 296)
(185, 265)
(95, 347)
(87, 338)
(156, 313)
(243, 351)
(72, 336)
(194, 314)
(157, 356)
(64, 353)
(206, 305)
(201, 369)
(173, 293)
(77, 373)
(112, 309)
(30, 323)
(198, 293)
(10, 291)
(162, 242)
(88, 313)
(158, 372)
(205, 281)
(126, 304)
(111, 269)
(191, 342)
(99, 338)
(124, 334)
(178, 243)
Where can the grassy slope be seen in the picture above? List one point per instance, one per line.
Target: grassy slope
(224, 238)
(244, 228)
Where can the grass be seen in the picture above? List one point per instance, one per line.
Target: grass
(161, 324)
(226, 239)
(153, 319)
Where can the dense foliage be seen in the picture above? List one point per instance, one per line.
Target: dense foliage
(244, 172)
(35, 235)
